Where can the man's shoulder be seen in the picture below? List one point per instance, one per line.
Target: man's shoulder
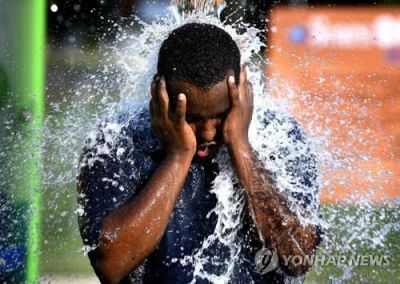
(281, 138)
(288, 154)
(127, 132)
(280, 123)
(117, 160)
(131, 123)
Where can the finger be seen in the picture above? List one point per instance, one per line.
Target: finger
(163, 97)
(243, 87)
(233, 91)
(153, 88)
(154, 97)
(247, 85)
(250, 89)
(243, 74)
(151, 108)
(250, 93)
(152, 114)
(181, 109)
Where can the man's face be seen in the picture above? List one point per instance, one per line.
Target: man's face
(205, 112)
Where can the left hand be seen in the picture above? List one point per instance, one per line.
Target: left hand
(237, 122)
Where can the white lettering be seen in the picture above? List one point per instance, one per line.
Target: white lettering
(331, 260)
(354, 260)
(341, 259)
(386, 260)
(383, 32)
(376, 260)
(387, 30)
(297, 260)
(319, 260)
(287, 259)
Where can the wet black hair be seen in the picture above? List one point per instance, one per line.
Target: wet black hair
(200, 54)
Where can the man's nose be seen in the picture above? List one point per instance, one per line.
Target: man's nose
(206, 130)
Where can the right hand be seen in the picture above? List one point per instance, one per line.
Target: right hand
(171, 127)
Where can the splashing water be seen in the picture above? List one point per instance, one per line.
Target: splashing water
(229, 209)
(127, 70)
(184, 8)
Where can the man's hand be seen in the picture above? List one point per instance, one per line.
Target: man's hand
(278, 225)
(171, 127)
(236, 125)
(122, 245)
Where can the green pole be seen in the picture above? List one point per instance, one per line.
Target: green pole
(23, 24)
(36, 15)
(32, 68)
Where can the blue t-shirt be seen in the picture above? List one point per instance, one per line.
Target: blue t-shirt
(120, 158)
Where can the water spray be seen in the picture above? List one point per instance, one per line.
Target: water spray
(23, 59)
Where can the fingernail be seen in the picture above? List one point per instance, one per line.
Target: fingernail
(181, 97)
(231, 79)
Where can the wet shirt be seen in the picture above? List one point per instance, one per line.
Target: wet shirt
(118, 161)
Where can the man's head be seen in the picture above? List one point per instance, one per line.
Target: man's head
(196, 60)
(200, 54)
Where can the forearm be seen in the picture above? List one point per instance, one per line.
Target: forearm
(277, 224)
(132, 232)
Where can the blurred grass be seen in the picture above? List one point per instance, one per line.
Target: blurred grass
(65, 259)
(62, 255)
(61, 243)
(359, 274)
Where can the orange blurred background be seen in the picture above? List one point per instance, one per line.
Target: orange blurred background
(342, 67)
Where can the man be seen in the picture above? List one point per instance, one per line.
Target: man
(147, 201)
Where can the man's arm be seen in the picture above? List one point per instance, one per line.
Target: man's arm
(130, 233)
(278, 225)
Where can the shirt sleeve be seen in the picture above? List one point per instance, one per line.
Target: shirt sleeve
(288, 154)
(114, 166)
(303, 168)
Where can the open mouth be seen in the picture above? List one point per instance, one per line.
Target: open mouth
(207, 149)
